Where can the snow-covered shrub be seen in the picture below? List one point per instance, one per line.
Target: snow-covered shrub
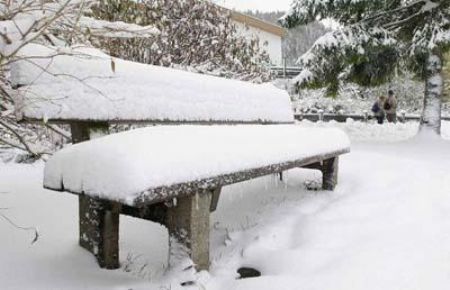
(195, 35)
(354, 99)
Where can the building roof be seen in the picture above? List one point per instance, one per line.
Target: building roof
(257, 23)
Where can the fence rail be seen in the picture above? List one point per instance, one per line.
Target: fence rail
(343, 118)
(285, 72)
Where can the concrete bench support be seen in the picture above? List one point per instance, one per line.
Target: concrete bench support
(98, 220)
(99, 230)
(188, 222)
(215, 199)
(329, 168)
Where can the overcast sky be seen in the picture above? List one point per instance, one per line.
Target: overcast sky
(261, 5)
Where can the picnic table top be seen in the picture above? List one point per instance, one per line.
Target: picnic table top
(153, 164)
(84, 84)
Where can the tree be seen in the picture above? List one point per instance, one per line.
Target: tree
(49, 22)
(377, 38)
(28, 21)
(195, 35)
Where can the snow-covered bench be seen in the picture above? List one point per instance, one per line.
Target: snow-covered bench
(169, 174)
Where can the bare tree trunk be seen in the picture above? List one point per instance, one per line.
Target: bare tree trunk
(431, 115)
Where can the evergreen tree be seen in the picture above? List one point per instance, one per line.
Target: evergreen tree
(376, 39)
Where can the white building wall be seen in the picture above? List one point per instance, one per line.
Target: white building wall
(268, 41)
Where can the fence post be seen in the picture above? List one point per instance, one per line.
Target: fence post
(403, 114)
(320, 112)
(366, 116)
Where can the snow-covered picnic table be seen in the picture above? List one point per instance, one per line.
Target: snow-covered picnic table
(169, 174)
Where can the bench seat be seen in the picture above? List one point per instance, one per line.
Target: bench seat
(154, 164)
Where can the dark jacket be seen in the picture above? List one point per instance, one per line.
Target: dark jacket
(377, 109)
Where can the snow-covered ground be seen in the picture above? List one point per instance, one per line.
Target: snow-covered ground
(386, 226)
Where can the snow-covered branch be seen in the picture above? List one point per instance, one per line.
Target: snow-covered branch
(54, 22)
(117, 29)
(391, 34)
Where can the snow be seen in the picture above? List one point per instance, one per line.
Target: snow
(122, 166)
(384, 227)
(116, 29)
(14, 32)
(370, 132)
(72, 82)
(429, 5)
(23, 21)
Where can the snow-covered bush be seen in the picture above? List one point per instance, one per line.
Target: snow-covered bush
(195, 35)
(354, 99)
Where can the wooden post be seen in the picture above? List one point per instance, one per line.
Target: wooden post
(98, 220)
(329, 170)
(188, 222)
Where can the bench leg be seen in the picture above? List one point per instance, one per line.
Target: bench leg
(99, 230)
(215, 199)
(188, 222)
(329, 170)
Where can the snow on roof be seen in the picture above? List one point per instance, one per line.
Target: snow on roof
(124, 166)
(83, 83)
(258, 23)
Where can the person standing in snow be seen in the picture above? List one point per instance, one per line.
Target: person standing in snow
(390, 106)
(378, 109)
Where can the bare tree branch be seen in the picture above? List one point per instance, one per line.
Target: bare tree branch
(33, 229)
(19, 137)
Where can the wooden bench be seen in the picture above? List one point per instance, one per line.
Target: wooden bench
(137, 93)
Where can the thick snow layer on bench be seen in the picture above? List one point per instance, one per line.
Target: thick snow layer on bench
(121, 166)
(85, 84)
